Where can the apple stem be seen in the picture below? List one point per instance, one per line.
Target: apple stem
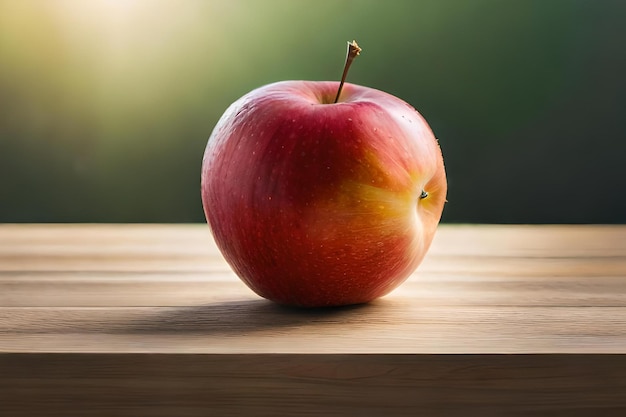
(353, 52)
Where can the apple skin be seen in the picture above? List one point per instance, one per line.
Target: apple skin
(319, 204)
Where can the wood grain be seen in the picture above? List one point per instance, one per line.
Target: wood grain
(312, 385)
(150, 320)
(160, 289)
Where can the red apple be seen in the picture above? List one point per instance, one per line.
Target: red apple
(317, 203)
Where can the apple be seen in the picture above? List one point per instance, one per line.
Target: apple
(322, 193)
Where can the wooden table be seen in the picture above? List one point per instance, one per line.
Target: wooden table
(134, 320)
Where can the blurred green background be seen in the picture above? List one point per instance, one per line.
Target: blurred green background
(106, 106)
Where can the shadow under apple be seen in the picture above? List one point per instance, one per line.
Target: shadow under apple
(239, 318)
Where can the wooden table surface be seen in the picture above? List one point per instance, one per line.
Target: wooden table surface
(150, 320)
